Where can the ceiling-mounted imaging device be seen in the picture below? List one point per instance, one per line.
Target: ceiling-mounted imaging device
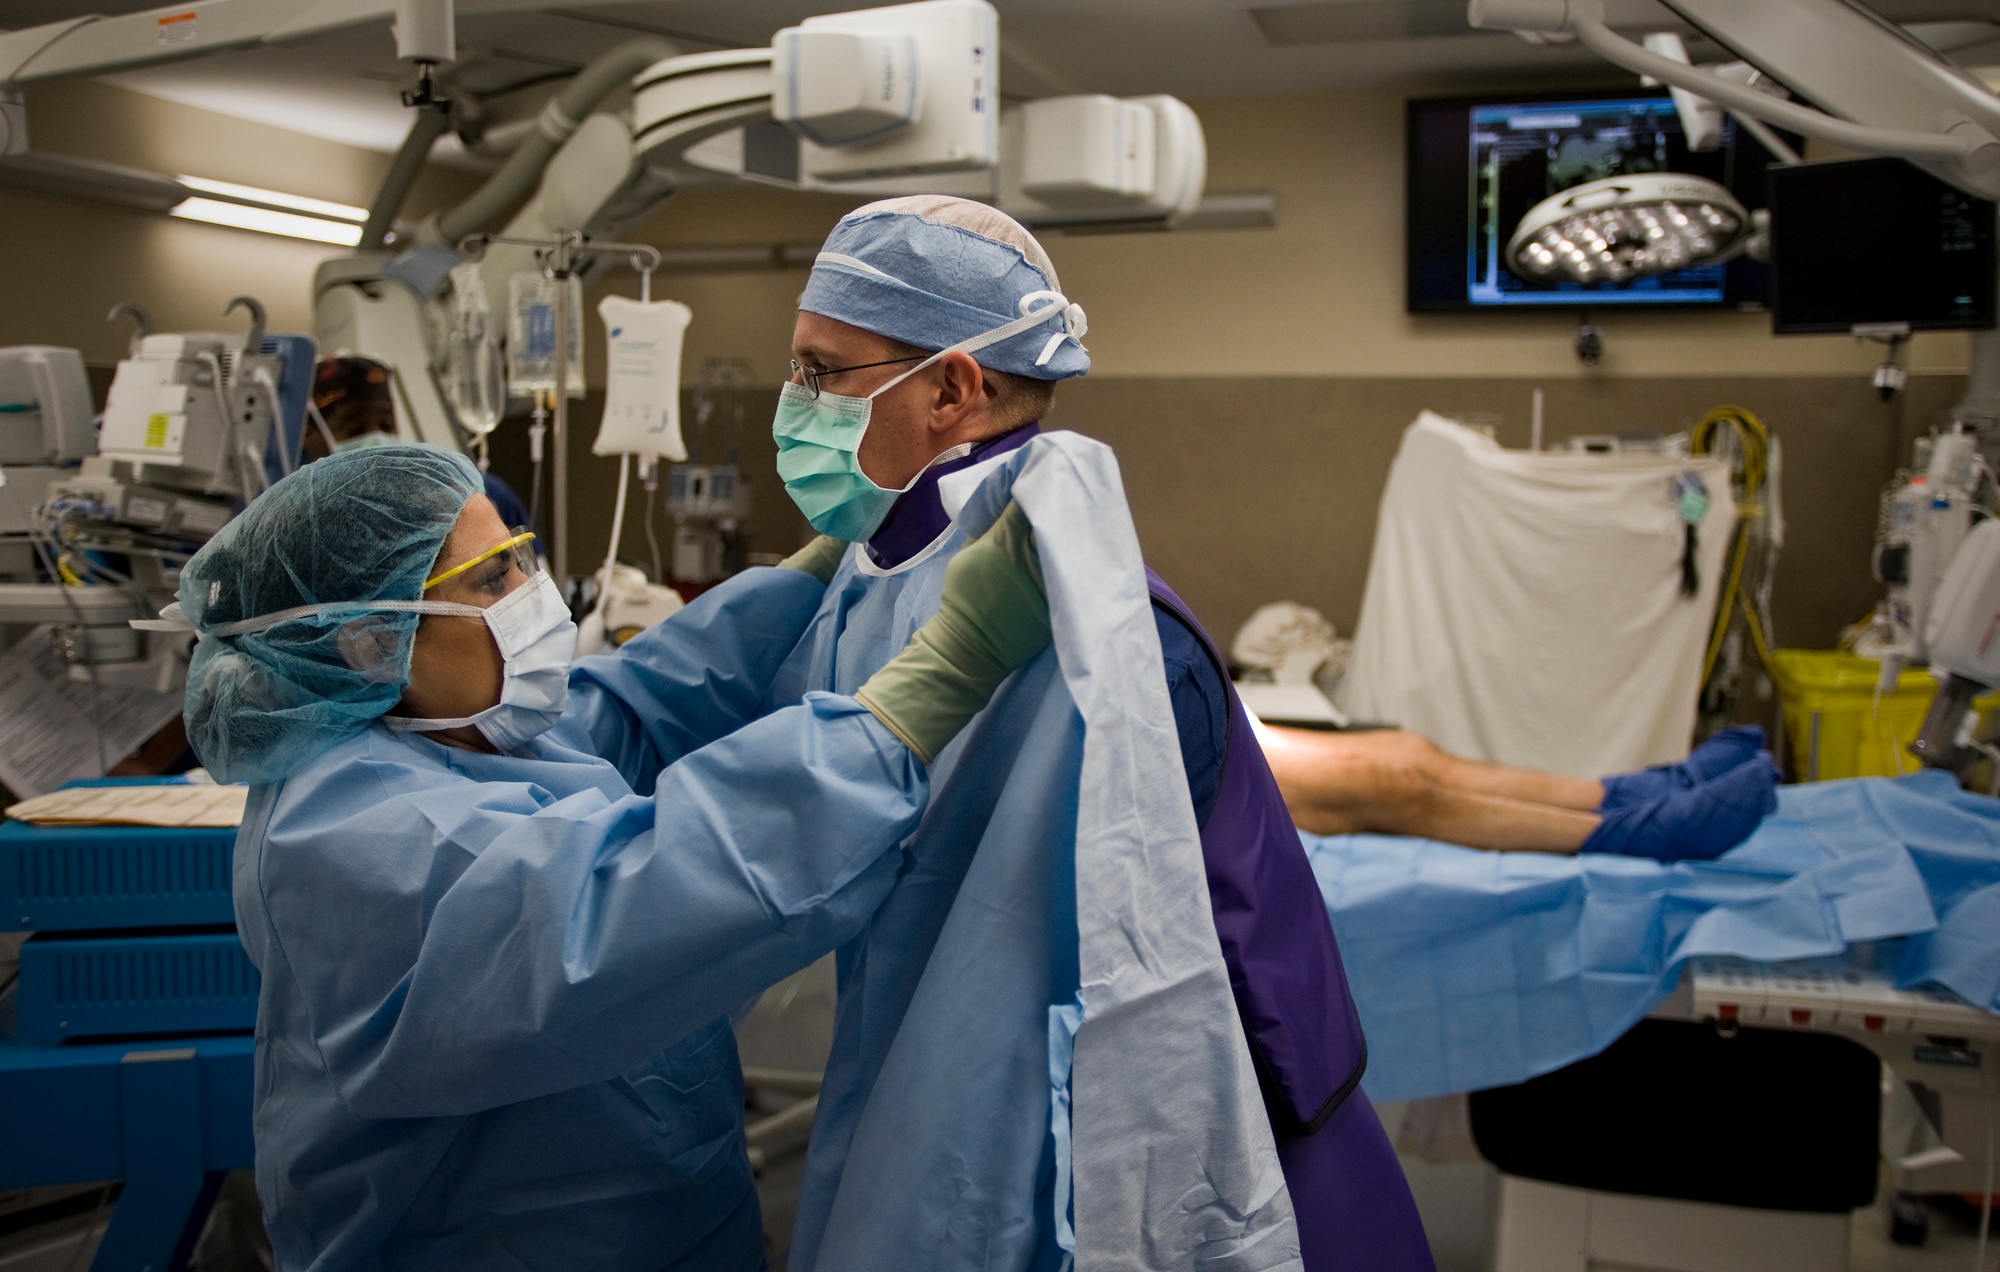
(1086, 162)
(841, 88)
(911, 88)
(908, 91)
(1625, 227)
(1092, 160)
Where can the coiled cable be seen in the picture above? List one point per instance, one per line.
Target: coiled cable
(1737, 434)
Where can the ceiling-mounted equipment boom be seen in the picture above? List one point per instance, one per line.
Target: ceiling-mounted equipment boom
(1878, 90)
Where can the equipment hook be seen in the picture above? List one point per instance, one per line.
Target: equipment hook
(255, 341)
(137, 312)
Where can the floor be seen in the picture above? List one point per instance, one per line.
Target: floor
(778, 1189)
(790, 1029)
(1953, 1243)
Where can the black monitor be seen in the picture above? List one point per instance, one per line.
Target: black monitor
(1477, 164)
(1865, 241)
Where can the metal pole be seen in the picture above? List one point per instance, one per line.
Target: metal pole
(559, 558)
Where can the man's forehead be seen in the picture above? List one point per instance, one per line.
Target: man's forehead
(817, 333)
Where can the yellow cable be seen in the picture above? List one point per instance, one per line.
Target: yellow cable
(1757, 635)
(1752, 466)
(1726, 603)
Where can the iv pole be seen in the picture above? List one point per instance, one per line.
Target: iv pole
(559, 256)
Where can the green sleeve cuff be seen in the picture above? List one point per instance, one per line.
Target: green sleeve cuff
(820, 558)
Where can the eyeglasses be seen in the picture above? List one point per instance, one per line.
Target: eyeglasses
(520, 546)
(810, 377)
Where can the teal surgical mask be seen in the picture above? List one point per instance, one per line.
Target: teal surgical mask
(367, 440)
(819, 438)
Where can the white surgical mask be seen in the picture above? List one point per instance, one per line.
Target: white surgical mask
(530, 625)
(537, 640)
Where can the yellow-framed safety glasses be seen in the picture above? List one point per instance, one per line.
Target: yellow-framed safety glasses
(519, 545)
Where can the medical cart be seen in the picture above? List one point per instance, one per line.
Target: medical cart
(126, 1042)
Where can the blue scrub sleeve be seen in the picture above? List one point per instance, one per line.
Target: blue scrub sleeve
(687, 681)
(554, 943)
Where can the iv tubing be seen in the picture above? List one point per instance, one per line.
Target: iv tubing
(617, 529)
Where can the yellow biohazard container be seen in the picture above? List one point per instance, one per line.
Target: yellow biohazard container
(1835, 726)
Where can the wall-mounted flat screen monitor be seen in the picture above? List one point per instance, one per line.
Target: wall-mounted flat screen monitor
(1863, 241)
(1477, 164)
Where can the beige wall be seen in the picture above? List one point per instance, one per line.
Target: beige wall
(1254, 381)
(1319, 295)
(1322, 293)
(1253, 490)
(66, 263)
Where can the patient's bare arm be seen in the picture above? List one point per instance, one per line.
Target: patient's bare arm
(1397, 783)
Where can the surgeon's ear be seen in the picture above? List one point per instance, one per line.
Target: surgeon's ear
(960, 393)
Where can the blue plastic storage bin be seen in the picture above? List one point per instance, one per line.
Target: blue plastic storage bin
(70, 878)
(115, 984)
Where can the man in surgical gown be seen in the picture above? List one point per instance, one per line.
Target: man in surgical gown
(917, 328)
(501, 905)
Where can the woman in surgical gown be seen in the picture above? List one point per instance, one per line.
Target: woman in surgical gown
(502, 906)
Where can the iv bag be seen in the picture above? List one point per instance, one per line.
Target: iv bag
(472, 372)
(642, 392)
(531, 334)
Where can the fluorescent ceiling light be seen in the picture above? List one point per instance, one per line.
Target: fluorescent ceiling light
(271, 212)
(1628, 227)
(234, 193)
(266, 220)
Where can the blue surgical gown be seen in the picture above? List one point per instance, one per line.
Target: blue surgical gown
(492, 1030)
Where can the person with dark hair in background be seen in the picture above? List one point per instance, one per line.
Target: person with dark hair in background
(354, 407)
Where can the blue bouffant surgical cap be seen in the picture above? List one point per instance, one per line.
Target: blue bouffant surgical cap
(932, 271)
(362, 525)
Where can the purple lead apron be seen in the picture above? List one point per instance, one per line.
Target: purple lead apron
(1354, 1207)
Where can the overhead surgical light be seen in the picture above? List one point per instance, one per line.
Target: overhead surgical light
(1878, 89)
(1620, 228)
(270, 212)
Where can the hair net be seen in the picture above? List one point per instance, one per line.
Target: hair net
(950, 269)
(357, 526)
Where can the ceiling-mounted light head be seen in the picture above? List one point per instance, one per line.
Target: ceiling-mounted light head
(1530, 18)
(427, 38)
(1621, 228)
